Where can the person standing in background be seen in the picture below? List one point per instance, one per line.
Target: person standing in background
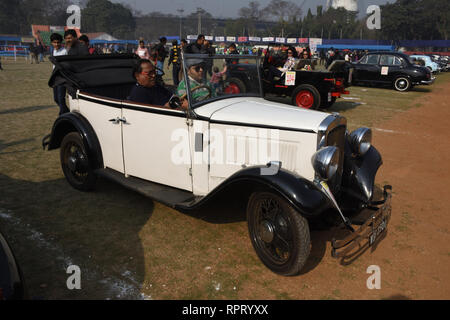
(59, 92)
(161, 55)
(84, 39)
(175, 60)
(73, 46)
(142, 51)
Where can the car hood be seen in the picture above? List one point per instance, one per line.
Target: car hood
(264, 113)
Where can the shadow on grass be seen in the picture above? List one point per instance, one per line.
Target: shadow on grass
(15, 143)
(54, 226)
(26, 109)
(340, 106)
(421, 89)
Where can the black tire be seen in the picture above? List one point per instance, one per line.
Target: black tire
(75, 163)
(234, 85)
(328, 104)
(402, 84)
(279, 234)
(306, 96)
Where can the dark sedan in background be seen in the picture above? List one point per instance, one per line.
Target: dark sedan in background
(393, 69)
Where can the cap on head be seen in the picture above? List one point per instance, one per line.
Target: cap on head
(193, 62)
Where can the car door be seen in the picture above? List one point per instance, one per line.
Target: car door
(104, 115)
(390, 67)
(367, 69)
(156, 145)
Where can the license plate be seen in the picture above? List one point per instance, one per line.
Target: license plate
(378, 230)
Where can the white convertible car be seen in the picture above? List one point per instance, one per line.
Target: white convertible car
(292, 165)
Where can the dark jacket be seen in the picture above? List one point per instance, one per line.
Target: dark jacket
(78, 49)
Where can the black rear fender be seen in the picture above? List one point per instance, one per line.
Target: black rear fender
(74, 122)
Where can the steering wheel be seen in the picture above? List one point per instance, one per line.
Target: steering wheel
(197, 88)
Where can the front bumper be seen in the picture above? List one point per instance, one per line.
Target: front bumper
(370, 232)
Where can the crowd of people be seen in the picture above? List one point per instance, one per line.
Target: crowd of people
(150, 69)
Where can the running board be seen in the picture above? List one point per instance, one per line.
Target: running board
(168, 196)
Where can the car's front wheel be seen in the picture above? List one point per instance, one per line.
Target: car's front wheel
(306, 96)
(75, 163)
(279, 234)
(402, 84)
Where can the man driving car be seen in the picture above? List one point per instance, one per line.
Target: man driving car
(199, 90)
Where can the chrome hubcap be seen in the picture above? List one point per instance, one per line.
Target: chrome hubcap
(266, 231)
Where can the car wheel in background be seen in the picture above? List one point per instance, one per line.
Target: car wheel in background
(75, 163)
(402, 84)
(306, 96)
(234, 86)
(279, 234)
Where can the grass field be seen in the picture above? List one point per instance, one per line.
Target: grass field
(127, 246)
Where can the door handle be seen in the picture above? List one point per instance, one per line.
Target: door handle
(123, 120)
(115, 121)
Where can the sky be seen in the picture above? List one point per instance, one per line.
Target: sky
(224, 8)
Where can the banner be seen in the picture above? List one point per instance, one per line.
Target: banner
(303, 40)
(268, 39)
(242, 39)
(220, 39)
(209, 38)
(280, 40)
(191, 37)
(291, 40)
(231, 39)
(313, 43)
(254, 39)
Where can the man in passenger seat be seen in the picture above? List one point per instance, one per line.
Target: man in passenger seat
(146, 89)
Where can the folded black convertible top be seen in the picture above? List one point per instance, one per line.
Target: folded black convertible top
(90, 71)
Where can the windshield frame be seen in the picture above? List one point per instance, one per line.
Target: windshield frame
(194, 105)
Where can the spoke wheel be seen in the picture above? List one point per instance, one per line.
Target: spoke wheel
(75, 163)
(279, 234)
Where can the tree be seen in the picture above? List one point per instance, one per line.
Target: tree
(105, 16)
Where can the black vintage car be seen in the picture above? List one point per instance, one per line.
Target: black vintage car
(307, 89)
(390, 69)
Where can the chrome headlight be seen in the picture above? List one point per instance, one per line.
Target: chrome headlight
(326, 162)
(361, 140)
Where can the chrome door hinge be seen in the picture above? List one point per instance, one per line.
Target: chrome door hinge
(190, 172)
(189, 122)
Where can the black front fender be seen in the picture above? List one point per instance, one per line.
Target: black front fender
(300, 192)
(359, 174)
(70, 122)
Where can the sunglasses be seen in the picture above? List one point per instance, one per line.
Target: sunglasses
(197, 68)
(148, 73)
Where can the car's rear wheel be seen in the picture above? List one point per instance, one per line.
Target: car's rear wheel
(234, 86)
(402, 84)
(306, 96)
(279, 234)
(75, 163)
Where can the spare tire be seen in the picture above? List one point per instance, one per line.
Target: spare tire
(234, 86)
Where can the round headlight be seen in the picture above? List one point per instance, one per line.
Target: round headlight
(326, 162)
(361, 140)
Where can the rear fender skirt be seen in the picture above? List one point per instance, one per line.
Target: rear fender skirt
(308, 199)
(359, 174)
(72, 121)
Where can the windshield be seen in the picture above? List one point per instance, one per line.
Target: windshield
(217, 77)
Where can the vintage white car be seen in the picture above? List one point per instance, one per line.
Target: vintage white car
(293, 166)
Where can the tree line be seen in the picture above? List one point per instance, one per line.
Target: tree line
(401, 20)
